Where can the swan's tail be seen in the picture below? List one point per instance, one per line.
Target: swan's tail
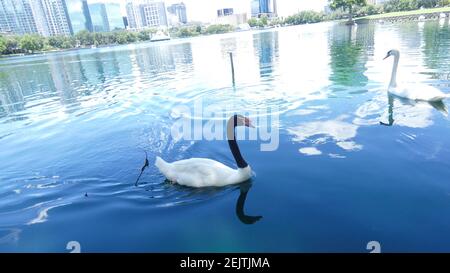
(439, 98)
(160, 163)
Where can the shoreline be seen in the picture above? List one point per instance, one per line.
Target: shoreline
(38, 53)
(412, 15)
(432, 13)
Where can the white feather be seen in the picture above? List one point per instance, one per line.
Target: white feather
(202, 172)
(420, 92)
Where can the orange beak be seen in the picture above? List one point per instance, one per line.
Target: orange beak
(248, 123)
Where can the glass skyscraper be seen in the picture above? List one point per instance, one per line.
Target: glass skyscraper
(115, 19)
(179, 10)
(106, 16)
(99, 17)
(79, 16)
(131, 15)
(259, 7)
(264, 6)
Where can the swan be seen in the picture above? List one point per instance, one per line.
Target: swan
(420, 92)
(204, 172)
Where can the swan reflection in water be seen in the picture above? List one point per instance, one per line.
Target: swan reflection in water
(246, 219)
(438, 105)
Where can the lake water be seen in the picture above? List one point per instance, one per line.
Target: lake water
(74, 127)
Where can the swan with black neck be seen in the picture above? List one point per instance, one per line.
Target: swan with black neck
(205, 172)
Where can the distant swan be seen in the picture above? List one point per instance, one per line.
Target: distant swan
(413, 92)
(203, 172)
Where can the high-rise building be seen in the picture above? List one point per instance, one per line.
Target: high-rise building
(40, 18)
(230, 16)
(264, 6)
(131, 15)
(267, 7)
(51, 17)
(125, 21)
(232, 19)
(255, 8)
(16, 17)
(115, 19)
(146, 13)
(225, 12)
(99, 17)
(179, 12)
(79, 15)
(106, 17)
(274, 8)
(153, 14)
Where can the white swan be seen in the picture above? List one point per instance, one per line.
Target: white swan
(203, 172)
(419, 92)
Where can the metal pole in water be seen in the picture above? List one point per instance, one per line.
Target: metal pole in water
(232, 66)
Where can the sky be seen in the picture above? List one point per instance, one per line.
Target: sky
(205, 10)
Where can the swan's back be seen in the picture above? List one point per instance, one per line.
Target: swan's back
(418, 92)
(201, 172)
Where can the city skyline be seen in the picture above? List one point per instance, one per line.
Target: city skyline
(68, 17)
(58, 17)
(205, 11)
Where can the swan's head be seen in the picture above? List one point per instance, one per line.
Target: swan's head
(393, 52)
(240, 120)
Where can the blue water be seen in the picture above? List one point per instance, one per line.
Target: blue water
(75, 126)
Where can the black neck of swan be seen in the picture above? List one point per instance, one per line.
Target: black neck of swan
(231, 135)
